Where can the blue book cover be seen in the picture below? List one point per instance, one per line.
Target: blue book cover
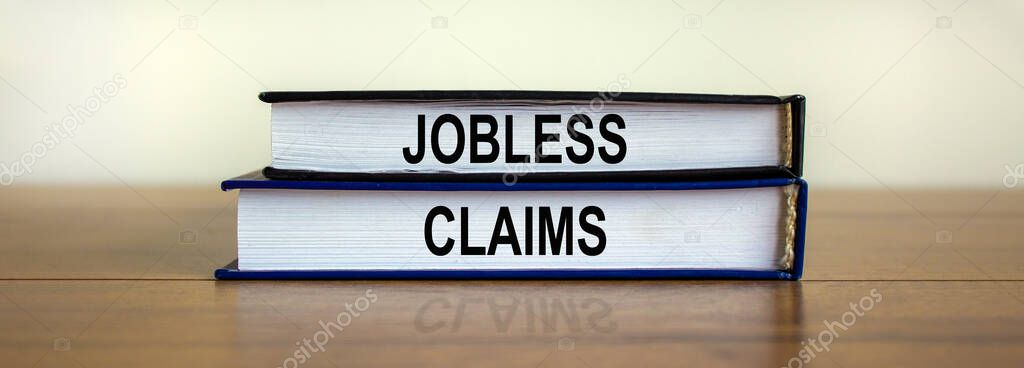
(257, 181)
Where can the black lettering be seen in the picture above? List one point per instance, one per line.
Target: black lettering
(614, 138)
(475, 138)
(428, 231)
(539, 137)
(420, 139)
(466, 249)
(580, 137)
(504, 221)
(510, 157)
(592, 229)
(529, 231)
(546, 230)
(460, 142)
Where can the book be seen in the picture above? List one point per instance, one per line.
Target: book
(532, 136)
(365, 230)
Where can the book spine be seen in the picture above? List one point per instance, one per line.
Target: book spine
(797, 109)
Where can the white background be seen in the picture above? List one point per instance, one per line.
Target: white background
(897, 97)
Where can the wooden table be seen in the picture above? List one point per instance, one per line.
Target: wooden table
(105, 277)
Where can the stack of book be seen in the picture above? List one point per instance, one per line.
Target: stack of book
(524, 184)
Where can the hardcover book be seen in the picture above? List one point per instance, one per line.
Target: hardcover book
(532, 136)
(392, 229)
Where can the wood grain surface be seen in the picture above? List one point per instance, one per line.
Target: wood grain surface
(97, 277)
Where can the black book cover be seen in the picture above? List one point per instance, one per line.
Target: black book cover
(795, 170)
